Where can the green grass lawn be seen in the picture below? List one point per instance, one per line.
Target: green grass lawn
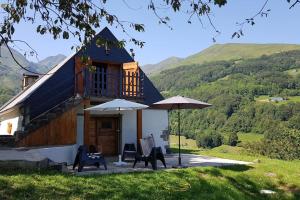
(293, 72)
(232, 182)
(185, 143)
(235, 182)
(191, 144)
(249, 137)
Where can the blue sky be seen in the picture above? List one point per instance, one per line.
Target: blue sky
(281, 26)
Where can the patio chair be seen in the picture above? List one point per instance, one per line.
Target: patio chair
(149, 153)
(129, 151)
(84, 158)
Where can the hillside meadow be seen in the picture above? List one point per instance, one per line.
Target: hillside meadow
(231, 182)
(220, 52)
(239, 92)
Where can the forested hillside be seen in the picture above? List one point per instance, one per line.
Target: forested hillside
(240, 92)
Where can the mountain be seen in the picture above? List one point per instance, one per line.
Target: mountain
(150, 68)
(240, 92)
(217, 52)
(49, 62)
(11, 73)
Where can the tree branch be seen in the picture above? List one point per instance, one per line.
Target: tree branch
(16, 61)
(294, 4)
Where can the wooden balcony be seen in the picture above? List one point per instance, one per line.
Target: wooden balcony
(106, 83)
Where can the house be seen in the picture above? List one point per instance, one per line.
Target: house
(276, 99)
(48, 115)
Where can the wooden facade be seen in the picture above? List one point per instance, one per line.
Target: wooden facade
(117, 75)
(132, 80)
(86, 104)
(102, 132)
(139, 129)
(109, 80)
(59, 131)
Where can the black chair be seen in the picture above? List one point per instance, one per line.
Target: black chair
(129, 151)
(149, 153)
(84, 158)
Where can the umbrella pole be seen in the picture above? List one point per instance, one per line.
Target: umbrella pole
(179, 148)
(119, 132)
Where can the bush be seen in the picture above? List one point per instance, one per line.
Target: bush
(233, 139)
(282, 144)
(209, 140)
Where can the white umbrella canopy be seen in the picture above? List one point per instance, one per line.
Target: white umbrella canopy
(117, 105)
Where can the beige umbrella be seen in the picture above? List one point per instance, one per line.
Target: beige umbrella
(179, 102)
(118, 105)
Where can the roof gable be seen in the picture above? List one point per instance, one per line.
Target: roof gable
(96, 53)
(114, 55)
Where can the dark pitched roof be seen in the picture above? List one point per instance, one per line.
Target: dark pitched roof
(116, 55)
(151, 94)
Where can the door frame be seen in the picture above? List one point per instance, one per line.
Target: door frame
(118, 123)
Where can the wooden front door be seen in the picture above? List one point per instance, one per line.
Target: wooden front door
(106, 135)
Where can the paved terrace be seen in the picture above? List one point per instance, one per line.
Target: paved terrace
(188, 160)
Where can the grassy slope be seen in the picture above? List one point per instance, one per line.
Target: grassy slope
(231, 51)
(148, 69)
(235, 182)
(293, 72)
(237, 51)
(191, 144)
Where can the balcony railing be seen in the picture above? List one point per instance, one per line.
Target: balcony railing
(102, 83)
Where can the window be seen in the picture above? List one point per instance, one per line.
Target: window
(100, 78)
(106, 125)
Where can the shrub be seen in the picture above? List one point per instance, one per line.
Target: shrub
(282, 144)
(233, 139)
(209, 140)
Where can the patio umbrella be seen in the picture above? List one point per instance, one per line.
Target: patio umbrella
(117, 105)
(178, 103)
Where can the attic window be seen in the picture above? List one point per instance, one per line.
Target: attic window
(104, 43)
(107, 49)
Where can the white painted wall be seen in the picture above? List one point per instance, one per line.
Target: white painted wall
(80, 130)
(129, 127)
(154, 122)
(57, 154)
(12, 117)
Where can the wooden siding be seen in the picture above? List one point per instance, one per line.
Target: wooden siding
(79, 76)
(86, 104)
(105, 139)
(139, 125)
(91, 133)
(80, 72)
(131, 66)
(60, 131)
(113, 83)
(131, 79)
